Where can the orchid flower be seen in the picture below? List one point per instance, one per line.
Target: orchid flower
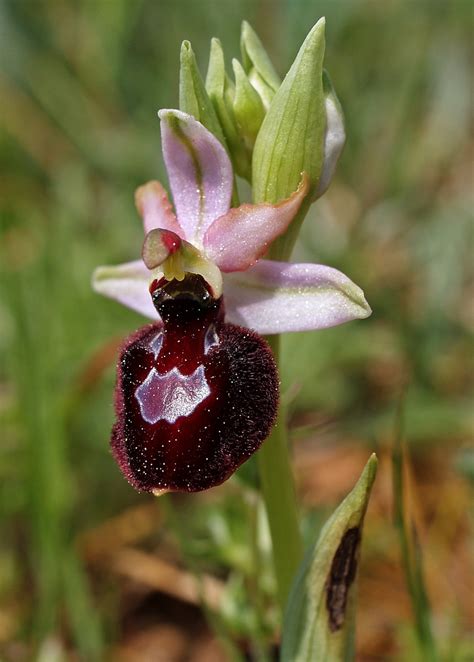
(197, 391)
(263, 295)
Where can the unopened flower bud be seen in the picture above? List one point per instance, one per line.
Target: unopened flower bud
(221, 92)
(257, 65)
(193, 97)
(248, 107)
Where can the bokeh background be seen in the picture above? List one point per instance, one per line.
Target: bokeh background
(90, 570)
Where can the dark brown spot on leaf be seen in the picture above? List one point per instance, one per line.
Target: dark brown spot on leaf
(342, 574)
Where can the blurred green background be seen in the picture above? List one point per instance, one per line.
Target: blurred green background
(80, 84)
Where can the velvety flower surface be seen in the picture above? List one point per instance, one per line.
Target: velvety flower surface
(195, 396)
(197, 391)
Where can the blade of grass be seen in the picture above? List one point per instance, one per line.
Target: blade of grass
(35, 300)
(44, 472)
(84, 624)
(212, 617)
(411, 552)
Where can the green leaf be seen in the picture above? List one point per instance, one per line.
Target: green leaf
(290, 140)
(193, 98)
(320, 613)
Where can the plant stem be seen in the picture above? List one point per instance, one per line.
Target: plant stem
(280, 500)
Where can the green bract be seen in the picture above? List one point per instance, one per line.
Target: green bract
(319, 617)
(291, 138)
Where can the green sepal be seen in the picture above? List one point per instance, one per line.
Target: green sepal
(319, 621)
(257, 64)
(248, 107)
(193, 97)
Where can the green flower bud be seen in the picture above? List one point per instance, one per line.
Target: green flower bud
(193, 97)
(248, 107)
(217, 83)
(257, 65)
(221, 93)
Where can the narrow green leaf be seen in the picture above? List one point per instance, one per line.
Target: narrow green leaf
(412, 557)
(193, 98)
(84, 619)
(320, 613)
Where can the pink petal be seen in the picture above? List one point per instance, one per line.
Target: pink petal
(238, 239)
(155, 208)
(199, 172)
(127, 283)
(277, 297)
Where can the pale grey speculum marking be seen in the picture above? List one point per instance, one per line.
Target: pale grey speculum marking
(169, 396)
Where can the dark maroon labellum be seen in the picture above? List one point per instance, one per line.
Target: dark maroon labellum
(195, 396)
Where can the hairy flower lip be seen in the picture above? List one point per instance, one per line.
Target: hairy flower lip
(195, 398)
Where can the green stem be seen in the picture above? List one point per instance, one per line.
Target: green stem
(280, 499)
